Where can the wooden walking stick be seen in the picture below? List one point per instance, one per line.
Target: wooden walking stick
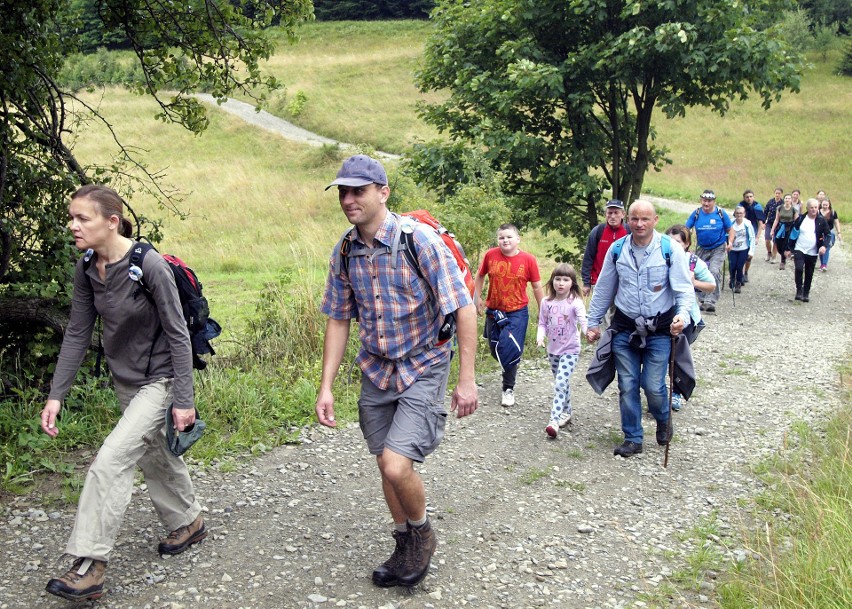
(671, 386)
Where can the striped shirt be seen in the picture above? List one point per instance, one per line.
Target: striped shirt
(398, 312)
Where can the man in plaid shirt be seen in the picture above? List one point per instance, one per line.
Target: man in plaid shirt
(399, 310)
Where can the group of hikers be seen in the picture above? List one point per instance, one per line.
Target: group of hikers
(416, 307)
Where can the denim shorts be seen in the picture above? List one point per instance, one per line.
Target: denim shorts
(410, 423)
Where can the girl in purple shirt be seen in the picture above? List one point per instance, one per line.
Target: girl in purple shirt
(560, 314)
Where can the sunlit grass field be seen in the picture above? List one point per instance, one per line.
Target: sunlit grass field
(257, 205)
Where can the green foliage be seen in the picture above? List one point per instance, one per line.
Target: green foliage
(794, 28)
(297, 104)
(472, 203)
(177, 47)
(830, 12)
(101, 69)
(358, 10)
(560, 95)
(26, 451)
(845, 66)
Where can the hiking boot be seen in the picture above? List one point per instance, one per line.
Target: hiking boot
(806, 298)
(677, 402)
(768, 258)
(782, 266)
(799, 296)
(508, 398)
(665, 431)
(628, 449)
(745, 278)
(738, 288)
(710, 308)
(564, 419)
(417, 555)
(552, 428)
(84, 581)
(385, 574)
(180, 539)
(772, 260)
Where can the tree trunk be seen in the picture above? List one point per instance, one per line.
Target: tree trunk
(29, 311)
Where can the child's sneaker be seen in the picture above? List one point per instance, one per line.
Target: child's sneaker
(677, 402)
(508, 398)
(564, 419)
(552, 428)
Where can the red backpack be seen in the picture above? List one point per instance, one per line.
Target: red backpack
(404, 241)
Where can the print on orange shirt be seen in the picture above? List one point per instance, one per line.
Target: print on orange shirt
(508, 278)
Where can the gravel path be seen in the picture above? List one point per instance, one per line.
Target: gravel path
(285, 129)
(522, 521)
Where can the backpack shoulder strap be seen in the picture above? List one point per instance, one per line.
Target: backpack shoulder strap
(341, 261)
(666, 247)
(134, 267)
(695, 215)
(616, 248)
(597, 233)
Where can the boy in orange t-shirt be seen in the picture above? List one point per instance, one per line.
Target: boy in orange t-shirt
(509, 270)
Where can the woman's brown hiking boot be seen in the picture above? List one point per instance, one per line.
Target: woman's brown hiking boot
(84, 581)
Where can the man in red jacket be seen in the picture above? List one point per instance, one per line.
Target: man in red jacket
(601, 237)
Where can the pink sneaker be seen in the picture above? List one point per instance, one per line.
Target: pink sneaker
(823, 268)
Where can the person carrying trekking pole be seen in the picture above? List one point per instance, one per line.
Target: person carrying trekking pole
(713, 227)
(649, 282)
(741, 249)
(405, 368)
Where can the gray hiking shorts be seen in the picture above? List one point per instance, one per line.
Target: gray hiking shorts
(410, 423)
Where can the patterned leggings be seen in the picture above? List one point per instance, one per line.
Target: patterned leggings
(562, 366)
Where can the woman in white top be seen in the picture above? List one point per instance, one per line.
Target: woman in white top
(742, 248)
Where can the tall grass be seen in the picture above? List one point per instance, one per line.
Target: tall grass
(804, 560)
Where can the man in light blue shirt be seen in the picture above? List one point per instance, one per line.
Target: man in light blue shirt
(713, 232)
(652, 296)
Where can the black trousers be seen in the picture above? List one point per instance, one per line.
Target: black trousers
(804, 272)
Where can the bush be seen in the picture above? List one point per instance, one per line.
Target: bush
(845, 66)
(100, 69)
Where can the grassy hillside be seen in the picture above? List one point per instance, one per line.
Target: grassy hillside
(357, 81)
(257, 205)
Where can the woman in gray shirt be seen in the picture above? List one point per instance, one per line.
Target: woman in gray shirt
(151, 369)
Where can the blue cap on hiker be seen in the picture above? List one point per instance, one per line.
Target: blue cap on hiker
(360, 170)
(709, 195)
(615, 203)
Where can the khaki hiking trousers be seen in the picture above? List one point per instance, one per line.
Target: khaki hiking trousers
(139, 438)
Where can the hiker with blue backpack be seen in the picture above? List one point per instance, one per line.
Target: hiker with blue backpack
(147, 347)
(647, 278)
(400, 300)
(742, 246)
(713, 231)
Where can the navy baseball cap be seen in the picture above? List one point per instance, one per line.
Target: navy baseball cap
(360, 170)
(615, 203)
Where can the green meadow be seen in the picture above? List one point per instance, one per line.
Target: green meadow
(256, 202)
